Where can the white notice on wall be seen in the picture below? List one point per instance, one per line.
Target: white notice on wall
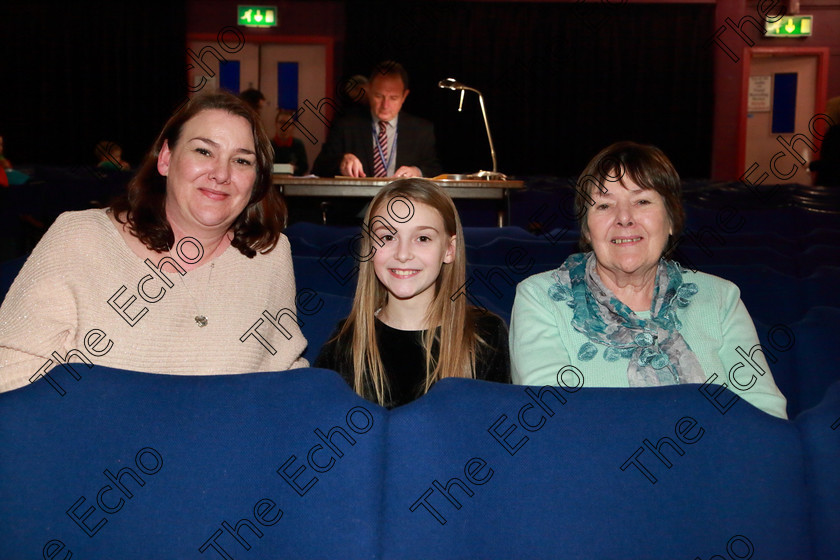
(758, 98)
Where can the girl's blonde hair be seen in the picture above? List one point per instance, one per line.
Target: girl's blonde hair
(456, 339)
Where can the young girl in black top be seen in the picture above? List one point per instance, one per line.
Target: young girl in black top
(411, 324)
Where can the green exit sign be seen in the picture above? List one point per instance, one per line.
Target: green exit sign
(790, 26)
(257, 16)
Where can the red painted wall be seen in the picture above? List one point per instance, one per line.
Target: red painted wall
(728, 72)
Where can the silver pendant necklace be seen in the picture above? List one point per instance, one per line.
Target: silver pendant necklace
(200, 318)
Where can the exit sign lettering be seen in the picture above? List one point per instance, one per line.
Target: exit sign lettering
(790, 26)
(257, 16)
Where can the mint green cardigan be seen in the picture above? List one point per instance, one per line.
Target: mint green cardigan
(716, 326)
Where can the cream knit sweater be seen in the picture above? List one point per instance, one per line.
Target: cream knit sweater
(58, 310)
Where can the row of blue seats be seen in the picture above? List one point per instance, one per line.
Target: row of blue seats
(769, 295)
(803, 356)
(514, 244)
(320, 236)
(294, 464)
(778, 302)
(722, 211)
(791, 325)
(791, 307)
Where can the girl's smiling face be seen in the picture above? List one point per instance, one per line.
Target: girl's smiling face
(410, 260)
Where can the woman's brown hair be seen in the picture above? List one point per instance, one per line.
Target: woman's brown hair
(143, 207)
(647, 166)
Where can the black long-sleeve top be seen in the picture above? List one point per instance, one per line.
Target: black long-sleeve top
(404, 359)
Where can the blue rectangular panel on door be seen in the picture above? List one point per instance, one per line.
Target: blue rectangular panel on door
(784, 102)
(287, 85)
(229, 75)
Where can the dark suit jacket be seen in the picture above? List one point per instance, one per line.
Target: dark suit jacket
(354, 134)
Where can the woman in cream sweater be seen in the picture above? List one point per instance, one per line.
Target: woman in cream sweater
(188, 274)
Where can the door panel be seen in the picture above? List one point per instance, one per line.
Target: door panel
(258, 68)
(311, 83)
(761, 142)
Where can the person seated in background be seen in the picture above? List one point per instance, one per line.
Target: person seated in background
(254, 98)
(827, 168)
(109, 155)
(620, 312)
(386, 142)
(175, 276)
(354, 96)
(405, 331)
(287, 148)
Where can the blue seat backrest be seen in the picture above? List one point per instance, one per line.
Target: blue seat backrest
(326, 310)
(820, 427)
(479, 470)
(471, 470)
(193, 453)
(817, 353)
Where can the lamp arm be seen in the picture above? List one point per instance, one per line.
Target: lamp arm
(487, 126)
(452, 84)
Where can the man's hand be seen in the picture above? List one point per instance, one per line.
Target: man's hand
(351, 166)
(408, 171)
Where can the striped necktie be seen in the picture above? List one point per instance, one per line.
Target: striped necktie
(379, 169)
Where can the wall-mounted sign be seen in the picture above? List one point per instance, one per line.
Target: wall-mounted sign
(759, 95)
(789, 26)
(257, 16)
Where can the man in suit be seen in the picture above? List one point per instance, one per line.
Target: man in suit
(359, 146)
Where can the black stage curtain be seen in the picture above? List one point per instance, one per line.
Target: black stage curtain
(560, 80)
(75, 73)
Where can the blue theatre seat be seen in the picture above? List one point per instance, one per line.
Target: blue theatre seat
(335, 274)
(695, 257)
(159, 466)
(820, 288)
(784, 367)
(304, 248)
(820, 255)
(478, 236)
(318, 235)
(820, 429)
(515, 253)
(817, 353)
(770, 296)
(204, 450)
(318, 326)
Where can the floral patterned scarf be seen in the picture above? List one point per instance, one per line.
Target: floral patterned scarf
(657, 352)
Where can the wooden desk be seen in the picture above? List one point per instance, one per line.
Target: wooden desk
(369, 186)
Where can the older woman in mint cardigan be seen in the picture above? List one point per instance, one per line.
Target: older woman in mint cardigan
(623, 315)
